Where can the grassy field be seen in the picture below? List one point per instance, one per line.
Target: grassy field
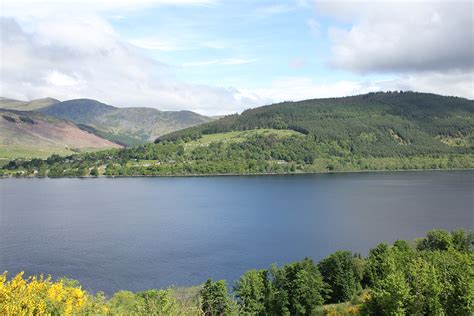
(7, 152)
(236, 137)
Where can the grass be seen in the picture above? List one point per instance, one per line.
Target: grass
(237, 137)
(460, 141)
(141, 162)
(12, 152)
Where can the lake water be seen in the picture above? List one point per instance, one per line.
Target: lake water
(139, 233)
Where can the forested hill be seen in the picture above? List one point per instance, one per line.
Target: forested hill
(375, 124)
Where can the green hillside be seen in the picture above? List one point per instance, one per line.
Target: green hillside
(128, 126)
(374, 124)
(31, 134)
(377, 131)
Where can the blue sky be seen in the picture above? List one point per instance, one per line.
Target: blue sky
(218, 57)
(245, 43)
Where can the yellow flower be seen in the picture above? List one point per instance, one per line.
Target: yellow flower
(38, 296)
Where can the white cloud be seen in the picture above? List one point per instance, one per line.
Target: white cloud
(402, 36)
(220, 62)
(59, 79)
(160, 44)
(301, 88)
(84, 57)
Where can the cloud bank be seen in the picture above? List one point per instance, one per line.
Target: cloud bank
(413, 36)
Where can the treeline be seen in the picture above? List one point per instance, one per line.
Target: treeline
(254, 155)
(430, 276)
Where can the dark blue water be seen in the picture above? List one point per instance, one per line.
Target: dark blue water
(139, 233)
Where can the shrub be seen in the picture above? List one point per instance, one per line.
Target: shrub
(39, 296)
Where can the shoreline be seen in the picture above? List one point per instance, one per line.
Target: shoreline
(240, 174)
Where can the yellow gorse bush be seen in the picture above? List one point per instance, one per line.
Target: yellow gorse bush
(39, 296)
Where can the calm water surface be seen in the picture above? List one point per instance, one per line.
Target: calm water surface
(139, 233)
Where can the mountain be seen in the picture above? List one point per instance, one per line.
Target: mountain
(375, 124)
(33, 105)
(32, 134)
(128, 126)
(375, 131)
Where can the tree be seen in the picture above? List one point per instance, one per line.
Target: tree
(215, 298)
(298, 288)
(252, 292)
(377, 265)
(425, 288)
(391, 296)
(337, 271)
(436, 239)
(462, 240)
(94, 172)
(155, 302)
(455, 273)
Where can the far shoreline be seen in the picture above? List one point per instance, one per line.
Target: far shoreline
(240, 174)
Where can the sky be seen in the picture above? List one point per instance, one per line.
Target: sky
(217, 57)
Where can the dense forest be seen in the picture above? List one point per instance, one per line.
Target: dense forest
(429, 276)
(376, 131)
(375, 124)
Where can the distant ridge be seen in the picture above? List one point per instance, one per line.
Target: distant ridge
(30, 134)
(33, 105)
(126, 126)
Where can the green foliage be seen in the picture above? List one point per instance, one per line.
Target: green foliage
(437, 239)
(26, 119)
(377, 266)
(339, 271)
(149, 302)
(155, 302)
(436, 278)
(390, 297)
(252, 291)
(455, 274)
(462, 240)
(94, 172)
(298, 289)
(215, 299)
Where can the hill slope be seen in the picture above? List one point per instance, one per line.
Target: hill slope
(123, 125)
(33, 105)
(31, 134)
(374, 124)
